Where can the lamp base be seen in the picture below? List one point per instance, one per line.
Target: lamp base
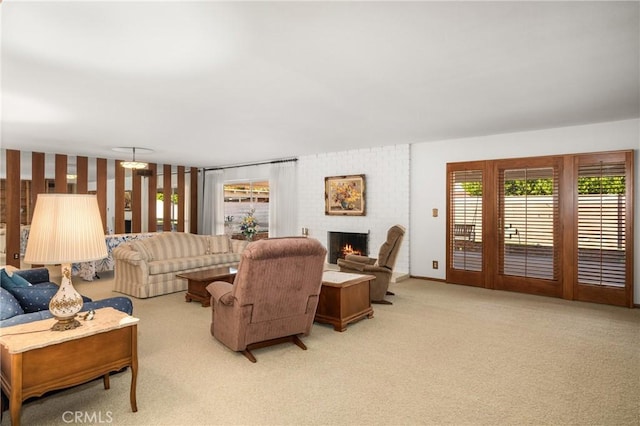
(65, 324)
(66, 303)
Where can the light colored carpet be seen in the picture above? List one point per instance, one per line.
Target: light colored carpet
(441, 354)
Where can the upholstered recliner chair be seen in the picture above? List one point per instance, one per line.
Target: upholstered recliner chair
(382, 267)
(273, 298)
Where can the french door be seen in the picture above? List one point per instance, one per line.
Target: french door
(528, 219)
(465, 251)
(557, 226)
(603, 250)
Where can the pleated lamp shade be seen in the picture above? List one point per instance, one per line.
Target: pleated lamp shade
(66, 228)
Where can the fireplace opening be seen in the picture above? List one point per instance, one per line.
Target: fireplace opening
(343, 243)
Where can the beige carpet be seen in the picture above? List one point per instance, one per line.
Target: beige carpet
(441, 354)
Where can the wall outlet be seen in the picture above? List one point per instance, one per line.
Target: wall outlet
(435, 264)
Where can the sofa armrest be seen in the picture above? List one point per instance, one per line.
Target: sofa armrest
(126, 254)
(221, 291)
(238, 246)
(121, 303)
(360, 259)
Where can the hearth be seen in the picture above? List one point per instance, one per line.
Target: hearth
(342, 243)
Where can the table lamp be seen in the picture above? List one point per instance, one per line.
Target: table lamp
(66, 229)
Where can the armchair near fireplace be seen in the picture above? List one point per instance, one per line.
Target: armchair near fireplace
(381, 268)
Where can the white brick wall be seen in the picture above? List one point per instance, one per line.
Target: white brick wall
(386, 170)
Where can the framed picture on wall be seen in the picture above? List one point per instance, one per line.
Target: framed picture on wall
(127, 201)
(344, 195)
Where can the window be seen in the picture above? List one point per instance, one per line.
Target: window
(242, 197)
(173, 218)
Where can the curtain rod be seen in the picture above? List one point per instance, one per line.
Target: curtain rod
(285, 160)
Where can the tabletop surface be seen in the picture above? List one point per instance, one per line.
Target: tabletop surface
(336, 277)
(38, 334)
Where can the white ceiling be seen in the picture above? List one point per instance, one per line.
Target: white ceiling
(221, 83)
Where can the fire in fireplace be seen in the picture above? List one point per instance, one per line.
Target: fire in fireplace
(344, 243)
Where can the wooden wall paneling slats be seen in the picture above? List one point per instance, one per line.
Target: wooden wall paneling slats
(152, 198)
(38, 184)
(166, 190)
(61, 174)
(181, 198)
(12, 236)
(119, 226)
(136, 202)
(82, 175)
(193, 210)
(101, 190)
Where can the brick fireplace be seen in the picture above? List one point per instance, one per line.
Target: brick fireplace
(342, 243)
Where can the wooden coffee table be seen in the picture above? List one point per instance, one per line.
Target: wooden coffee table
(36, 360)
(198, 281)
(344, 298)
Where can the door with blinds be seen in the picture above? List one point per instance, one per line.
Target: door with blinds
(604, 248)
(465, 256)
(557, 226)
(529, 239)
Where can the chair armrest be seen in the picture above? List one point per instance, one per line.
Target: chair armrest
(221, 291)
(347, 264)
(360, 259)
(376, 268)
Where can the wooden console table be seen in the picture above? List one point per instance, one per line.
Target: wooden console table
(36, 360)
(344, 298)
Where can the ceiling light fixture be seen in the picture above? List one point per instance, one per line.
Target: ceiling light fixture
(133, 164)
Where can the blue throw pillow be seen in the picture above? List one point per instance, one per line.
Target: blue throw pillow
(9, 306)
(8, 282)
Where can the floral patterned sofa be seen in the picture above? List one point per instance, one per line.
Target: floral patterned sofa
(148, 267)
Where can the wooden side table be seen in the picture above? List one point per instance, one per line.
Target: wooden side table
(36, 360)
(197, 282)
(344, 298)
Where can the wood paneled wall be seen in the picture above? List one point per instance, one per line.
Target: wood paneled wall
(101, 189)
(12, 234)
(193, 220)
(38, 185)
(152, 190)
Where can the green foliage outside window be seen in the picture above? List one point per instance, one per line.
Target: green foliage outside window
(586, 185)
(174, 197)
